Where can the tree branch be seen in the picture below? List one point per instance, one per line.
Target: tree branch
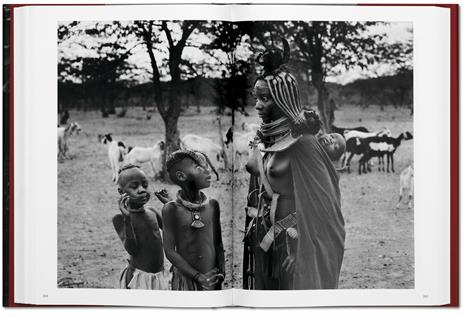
(166, 30)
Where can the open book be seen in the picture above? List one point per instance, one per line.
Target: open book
(318, 162)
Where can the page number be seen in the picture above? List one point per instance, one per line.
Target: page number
(425, 296)
(44, 296)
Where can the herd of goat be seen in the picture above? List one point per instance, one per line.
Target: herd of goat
(359, 141)
(366, 144)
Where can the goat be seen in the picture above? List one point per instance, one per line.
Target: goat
(63, 136)
(205, 146)
(353, 144)
(342, 131)
(242, 146)
(116, 152)
(153, 155)
(360, 134)
(229, 136)
(406, 184)
(64, 117)
(380, 146)
(250, 127)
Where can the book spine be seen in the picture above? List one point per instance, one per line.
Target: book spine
(7, 220)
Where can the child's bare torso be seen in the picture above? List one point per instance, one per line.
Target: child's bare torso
(196, 245)
(148, 253)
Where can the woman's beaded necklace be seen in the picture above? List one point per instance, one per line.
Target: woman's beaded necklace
(274, 131)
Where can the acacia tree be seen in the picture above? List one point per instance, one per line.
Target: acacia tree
(170, 112)
(325, 47)
(103, 70)
(227, 36)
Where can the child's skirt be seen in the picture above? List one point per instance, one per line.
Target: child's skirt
(134, 278)
(181, 282)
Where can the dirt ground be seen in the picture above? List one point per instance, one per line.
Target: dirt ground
(379, 249)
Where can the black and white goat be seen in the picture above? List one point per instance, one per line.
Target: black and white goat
(353, 143)
(229, 136)
(379, 147)
(116, 152)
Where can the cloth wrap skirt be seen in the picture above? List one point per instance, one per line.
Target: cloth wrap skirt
(134, 278)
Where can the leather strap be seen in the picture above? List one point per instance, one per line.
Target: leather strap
(267, 185)
(276, 229)
(264, 180)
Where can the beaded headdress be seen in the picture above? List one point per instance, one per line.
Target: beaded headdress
(283, 88)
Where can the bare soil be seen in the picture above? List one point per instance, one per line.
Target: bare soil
(380, 239)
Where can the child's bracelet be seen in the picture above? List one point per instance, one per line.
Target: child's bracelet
(195, 277)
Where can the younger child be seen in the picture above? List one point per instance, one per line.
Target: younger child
(334, 144)
(192, 228)
(138, 227)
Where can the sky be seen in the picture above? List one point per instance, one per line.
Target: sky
(394, 31)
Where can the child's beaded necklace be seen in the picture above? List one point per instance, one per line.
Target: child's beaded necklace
(194, 208)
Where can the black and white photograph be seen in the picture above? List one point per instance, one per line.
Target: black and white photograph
(209, 155)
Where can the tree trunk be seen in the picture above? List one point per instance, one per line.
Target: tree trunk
(326, 115)
(171, 117)
(323, 107)
(221, 142)
(169, 113)
(317, 74)
(172, 139)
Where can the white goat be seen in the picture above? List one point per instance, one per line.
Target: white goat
(361, 134)
(204, 145)
(63, 135)
(406, 184)
(116, 151)
(242, 149)
(153, 155)
(250, 127)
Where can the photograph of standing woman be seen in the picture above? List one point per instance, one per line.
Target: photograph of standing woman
(297, 236)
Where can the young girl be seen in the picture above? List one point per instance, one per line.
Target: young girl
(138, 227)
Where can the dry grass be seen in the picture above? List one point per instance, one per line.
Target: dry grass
(379, 243)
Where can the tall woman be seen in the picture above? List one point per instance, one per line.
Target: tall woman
(297, 235)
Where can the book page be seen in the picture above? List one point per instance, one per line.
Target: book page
(106, 124)
(385, 232)
(387, 251)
